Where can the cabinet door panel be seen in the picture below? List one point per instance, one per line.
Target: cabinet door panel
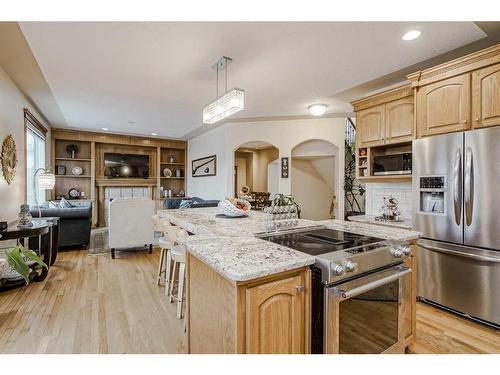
(486, 96)
(444, 106)
(370, 123)
(399, 121)
(275, 317)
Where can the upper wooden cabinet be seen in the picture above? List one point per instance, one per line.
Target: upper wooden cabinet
(459, 95)
(444, 106)
(399, 121)
(385, 118)
(370, 125)
(486, 96)
(275, 317)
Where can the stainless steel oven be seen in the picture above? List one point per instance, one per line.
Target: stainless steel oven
(366, 315)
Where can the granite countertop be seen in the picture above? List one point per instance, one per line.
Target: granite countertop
(229, 246)
(374, 230)
(205, 221)
(243, 258)
(405, 224)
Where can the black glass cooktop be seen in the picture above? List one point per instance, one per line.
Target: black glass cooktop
(320, 241)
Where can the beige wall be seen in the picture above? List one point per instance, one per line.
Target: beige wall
(253, 167)
(283, 134)
(241, 163)
(312, 186)
(261, 160)
(12, 102)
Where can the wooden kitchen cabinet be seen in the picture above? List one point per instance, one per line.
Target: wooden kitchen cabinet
(444, 106)
(275, 316)
(371, 126)
(399, 123)
(270, 314)
(410, 295)
(486, 97)
(385, 118)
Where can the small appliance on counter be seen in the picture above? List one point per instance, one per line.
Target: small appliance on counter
(390, 210)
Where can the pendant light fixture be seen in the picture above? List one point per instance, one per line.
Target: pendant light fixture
(229, 103)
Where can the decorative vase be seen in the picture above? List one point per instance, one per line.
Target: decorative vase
(25, 218)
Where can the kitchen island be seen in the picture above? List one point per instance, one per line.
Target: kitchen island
(247, 295)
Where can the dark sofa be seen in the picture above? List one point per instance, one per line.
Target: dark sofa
(74, 225)
(194, 202)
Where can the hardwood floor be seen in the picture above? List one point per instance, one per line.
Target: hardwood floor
(91, 304)
(441, 332)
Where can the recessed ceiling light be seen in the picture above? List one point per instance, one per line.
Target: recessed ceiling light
(410, 35)
(131, 122)
(317, 109)
(105, 129)
(154, 134)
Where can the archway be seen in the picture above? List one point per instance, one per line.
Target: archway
(314, 178)
(255, 168)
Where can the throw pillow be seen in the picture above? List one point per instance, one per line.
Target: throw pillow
(65, 204)
(185, 203)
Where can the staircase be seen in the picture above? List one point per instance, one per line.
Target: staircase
(354, 191)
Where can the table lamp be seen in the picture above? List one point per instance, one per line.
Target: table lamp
(45, 181)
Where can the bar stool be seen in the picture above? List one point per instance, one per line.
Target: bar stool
(177, 255)
(165, 242)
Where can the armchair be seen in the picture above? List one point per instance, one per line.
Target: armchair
(130, 224)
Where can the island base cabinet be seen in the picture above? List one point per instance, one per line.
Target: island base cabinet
(268, 315)
(275, 316)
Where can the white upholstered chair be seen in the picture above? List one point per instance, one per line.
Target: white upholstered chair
(130, 224)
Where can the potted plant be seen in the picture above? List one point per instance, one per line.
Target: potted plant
(285, 200)
(20, 258)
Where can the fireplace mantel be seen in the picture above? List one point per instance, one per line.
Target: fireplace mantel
(103, 183)
(125, 182)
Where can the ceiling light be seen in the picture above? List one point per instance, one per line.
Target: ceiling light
(105, 129)
(229, 103)
(410, 35)
(154, 134)
(317, 109)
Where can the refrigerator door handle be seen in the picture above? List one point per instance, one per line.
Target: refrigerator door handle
(460, 254)
(457, 187)
(469, 186)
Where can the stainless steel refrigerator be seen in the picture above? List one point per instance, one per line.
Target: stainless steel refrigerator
(456, 189)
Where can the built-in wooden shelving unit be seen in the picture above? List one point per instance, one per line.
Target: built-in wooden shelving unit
(163, 153)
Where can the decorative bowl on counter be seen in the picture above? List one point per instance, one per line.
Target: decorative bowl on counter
(227, 208)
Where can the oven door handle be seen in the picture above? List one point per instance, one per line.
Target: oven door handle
(343, 292)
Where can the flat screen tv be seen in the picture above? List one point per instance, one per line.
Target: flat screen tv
(126, 165)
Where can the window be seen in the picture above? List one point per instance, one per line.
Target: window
(35, 155)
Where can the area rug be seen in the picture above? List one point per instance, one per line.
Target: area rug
(99, 241)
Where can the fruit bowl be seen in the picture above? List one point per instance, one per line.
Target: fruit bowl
(228, 208)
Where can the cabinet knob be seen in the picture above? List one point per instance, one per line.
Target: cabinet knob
(464, 121)
(300, 288)
(476, 119)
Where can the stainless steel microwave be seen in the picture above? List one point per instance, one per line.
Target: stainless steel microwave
(395, 164)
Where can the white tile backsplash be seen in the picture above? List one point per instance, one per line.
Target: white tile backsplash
(375, 193)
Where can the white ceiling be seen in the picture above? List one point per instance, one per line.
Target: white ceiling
(140, 78)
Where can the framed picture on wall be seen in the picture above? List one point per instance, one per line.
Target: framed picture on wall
(204, 167)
